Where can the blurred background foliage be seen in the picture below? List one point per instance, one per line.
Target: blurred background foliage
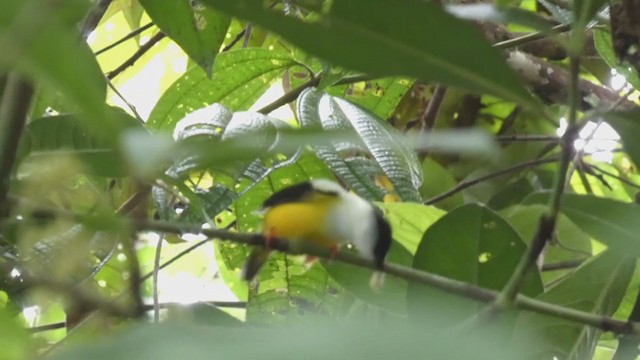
(450, 117)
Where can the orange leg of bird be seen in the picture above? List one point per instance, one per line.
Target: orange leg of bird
(270, 238)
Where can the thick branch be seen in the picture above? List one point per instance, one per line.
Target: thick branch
(551, 82)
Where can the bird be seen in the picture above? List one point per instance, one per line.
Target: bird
(322, 212)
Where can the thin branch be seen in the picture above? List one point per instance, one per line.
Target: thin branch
(156, 276)
(137, 55)
(547, 222)
(617, 177)
(235, 40)
(14, 107)
(563, 265)
(468, 183)
(428, 118)
(448, 285)
(127, 103)
(93, 18)
(511, 43)
(130, 35)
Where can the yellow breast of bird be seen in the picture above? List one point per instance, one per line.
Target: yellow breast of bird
(300, 222)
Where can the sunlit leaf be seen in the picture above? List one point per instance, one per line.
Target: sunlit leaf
(627, 126)
(364, 43)
(241, 76)
(198, 30)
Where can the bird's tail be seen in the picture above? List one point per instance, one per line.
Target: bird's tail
(257, 258)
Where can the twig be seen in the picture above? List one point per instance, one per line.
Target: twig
(558, 29)
(527, 138)
(448, 285)
(247, 36)
(617, 177)
(428, 118)
(156, 275)
(14, 108)
(235, 40)
(93, 18)
(562, 265)
(133, 201)
(127, 103)
(468, 183)
(137, 55)
(130, 35)
(48, 327)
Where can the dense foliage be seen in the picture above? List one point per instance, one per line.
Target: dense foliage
(138, 139)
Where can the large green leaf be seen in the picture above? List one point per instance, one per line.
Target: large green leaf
(627, 125)
(365, 35)
(380, 141)
(198, 30)
(241, 76)
(66, 135)
(361, 338)
(611, 222)
(596, 287)
(472, 244)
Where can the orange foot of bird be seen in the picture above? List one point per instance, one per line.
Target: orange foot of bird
(270, 238)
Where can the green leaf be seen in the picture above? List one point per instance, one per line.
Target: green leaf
(511, 194)
(15, 341)
(602, 41)
(471, 244)
(627, 126)
(372, 42)
(379, 140)
(611, 222)
(66, 135)
(569, 243)
(241, 76)
(380, 96)
(596, 287)
(198, 30)
(437, 181)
